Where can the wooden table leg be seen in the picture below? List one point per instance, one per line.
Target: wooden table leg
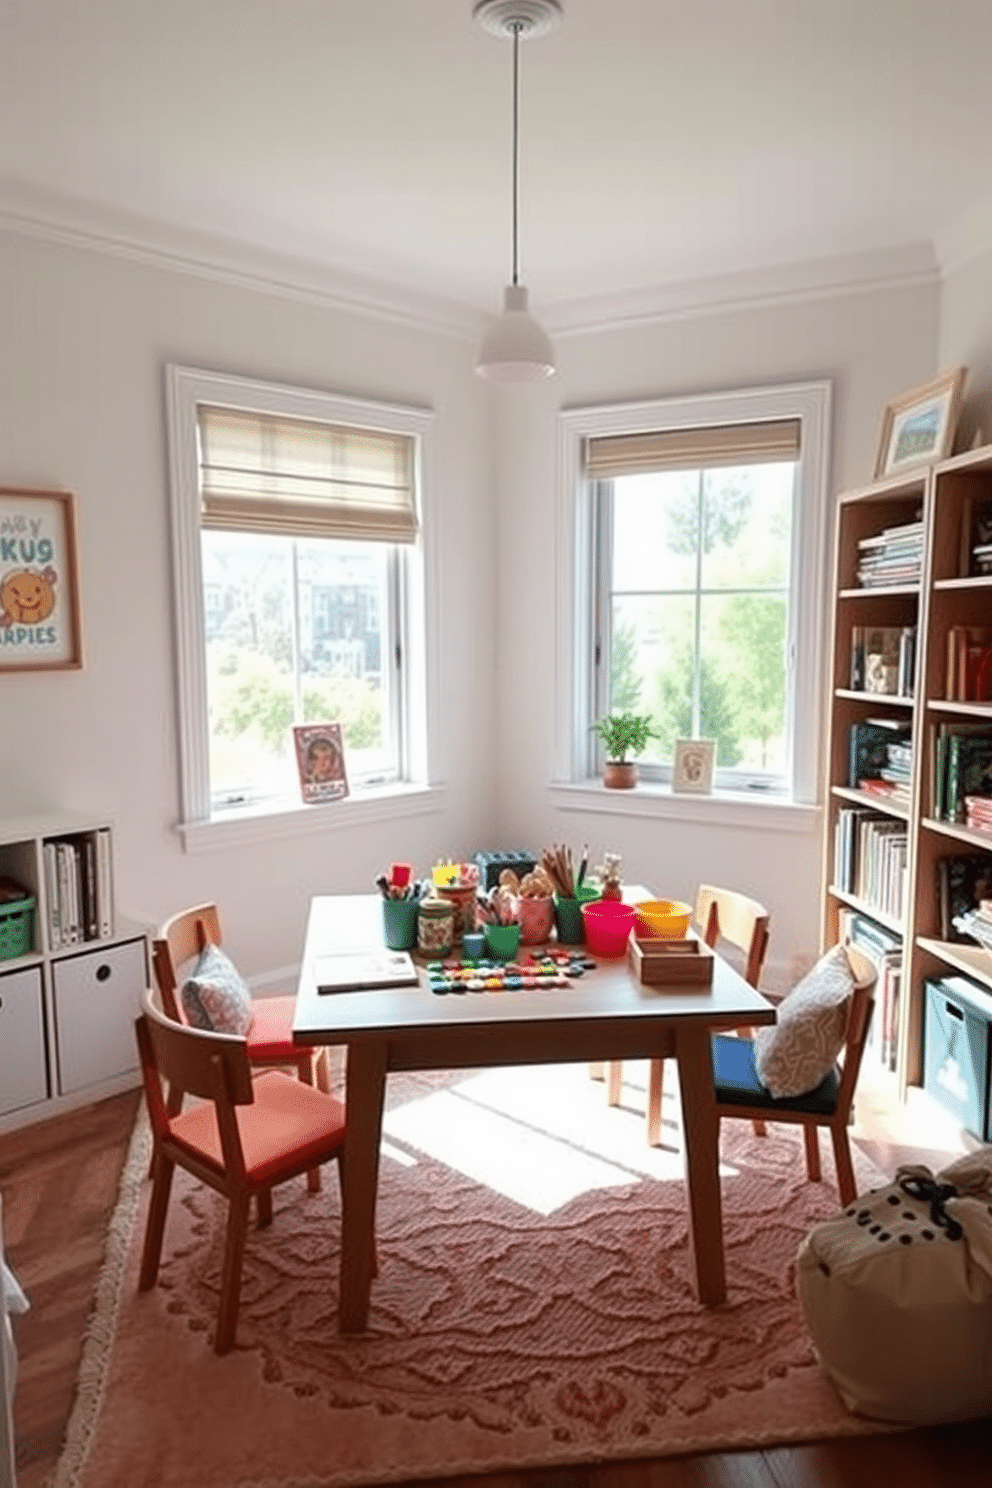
(701, 1126)
(365, 1092)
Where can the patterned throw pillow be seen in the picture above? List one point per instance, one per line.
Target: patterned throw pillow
(795, 1054)
(216, 997)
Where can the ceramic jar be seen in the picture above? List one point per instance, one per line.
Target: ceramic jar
(435, 927)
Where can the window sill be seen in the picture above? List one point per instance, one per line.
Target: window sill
(240, 828)
(752, 809)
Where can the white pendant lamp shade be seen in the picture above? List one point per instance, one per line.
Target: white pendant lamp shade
(515, 349)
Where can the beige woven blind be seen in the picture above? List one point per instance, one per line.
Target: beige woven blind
(692, 449)
(301, 478)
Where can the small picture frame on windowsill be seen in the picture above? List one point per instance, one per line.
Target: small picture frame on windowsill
(693, 764)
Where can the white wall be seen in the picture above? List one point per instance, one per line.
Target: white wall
(966, 341)
(870, 345)
(84, 337)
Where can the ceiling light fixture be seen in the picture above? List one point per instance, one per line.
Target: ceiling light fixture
(515, 348)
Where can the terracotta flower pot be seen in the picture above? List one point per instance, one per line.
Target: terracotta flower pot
(620, 775)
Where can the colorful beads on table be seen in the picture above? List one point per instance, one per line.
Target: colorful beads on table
(539, 971)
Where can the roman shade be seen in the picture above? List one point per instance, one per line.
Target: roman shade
(304, 478)
(610, 456)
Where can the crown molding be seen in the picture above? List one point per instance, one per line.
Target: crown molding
(912, 265)
(968, 237)
(34, 212)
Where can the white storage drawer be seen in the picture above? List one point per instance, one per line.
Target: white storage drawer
(23, 1071)
(97, 998)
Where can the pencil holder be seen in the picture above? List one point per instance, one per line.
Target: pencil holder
(568, 916)
(435, 927)
(399, 923)
(502, 941)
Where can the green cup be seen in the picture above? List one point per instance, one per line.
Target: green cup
(568, 916)
(502, 941)
(399, 923)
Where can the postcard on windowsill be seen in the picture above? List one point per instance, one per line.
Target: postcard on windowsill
(364, 971)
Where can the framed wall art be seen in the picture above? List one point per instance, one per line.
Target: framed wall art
(320, 761)
(692, 766)
(39, 593)
(920, 425)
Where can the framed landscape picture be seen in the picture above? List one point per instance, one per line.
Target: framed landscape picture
(919, 426)
(320, 761)
(39, 595)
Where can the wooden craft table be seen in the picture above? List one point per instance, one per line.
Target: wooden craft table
(607, 1014)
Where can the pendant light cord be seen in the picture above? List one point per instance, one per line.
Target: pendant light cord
(516, 138)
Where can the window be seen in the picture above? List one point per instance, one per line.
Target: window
(299, 586)
(698, 587)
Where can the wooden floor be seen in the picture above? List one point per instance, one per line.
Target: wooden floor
(59, 1184)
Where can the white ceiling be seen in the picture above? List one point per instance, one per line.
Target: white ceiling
(662, 140)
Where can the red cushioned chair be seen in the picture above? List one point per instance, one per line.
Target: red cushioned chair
(270, 1038)
(247, 1135)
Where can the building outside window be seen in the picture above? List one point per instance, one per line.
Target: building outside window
(299, 558)
(699, 542)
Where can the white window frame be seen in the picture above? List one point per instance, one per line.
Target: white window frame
(417, 626)
(577, 577)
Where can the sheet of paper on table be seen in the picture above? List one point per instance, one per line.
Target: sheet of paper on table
(355, 971)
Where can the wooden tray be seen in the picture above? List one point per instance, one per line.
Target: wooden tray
(657, 962)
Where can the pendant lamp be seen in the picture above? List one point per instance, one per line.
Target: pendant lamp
(515, 348)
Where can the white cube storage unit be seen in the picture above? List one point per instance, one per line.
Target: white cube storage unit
(23, 1066)
(68, 1004)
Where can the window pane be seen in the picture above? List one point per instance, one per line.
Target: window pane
(294, 634)
(742, 679)
(747, 524)
(652, 666)
(343, 644)
(655, 531)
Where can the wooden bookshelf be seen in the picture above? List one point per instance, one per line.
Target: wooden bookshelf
(944, 496)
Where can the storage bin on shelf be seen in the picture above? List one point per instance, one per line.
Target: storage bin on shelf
(957, 1051)
(16, 920)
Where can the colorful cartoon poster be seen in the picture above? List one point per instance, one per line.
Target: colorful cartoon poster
(39, 605)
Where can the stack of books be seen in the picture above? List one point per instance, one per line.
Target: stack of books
(78, 888)
(963, 881)
(962, 767)
(969, 664)
(894, 556)
(977, 923)
(885, 949)
(870, 857)
(978, 813)
(879, 750)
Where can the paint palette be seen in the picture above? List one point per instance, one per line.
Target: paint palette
(547, 969)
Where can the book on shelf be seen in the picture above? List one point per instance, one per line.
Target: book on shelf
(969, 664)
(893, 556)
(882, 659)
(962, 766)
(976, 924)
(78, 888)
(885, 949)
(978, 813)
(857, 675)
(963, 880)
(870, 858)
(869, 741)
(364, 971)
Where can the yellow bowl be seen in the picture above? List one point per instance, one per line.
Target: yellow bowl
(668, 919)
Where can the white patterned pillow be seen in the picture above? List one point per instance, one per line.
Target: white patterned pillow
(795, 1054)
(216, 996)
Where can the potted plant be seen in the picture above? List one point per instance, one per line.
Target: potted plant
(623, 734)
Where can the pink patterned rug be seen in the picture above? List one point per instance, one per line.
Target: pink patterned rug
(534, 1307)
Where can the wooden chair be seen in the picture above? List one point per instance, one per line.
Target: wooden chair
(721, 914)
(740, 1094)
(246, 1136)
(270, 1039)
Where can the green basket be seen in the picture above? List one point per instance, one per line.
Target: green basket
(16, 928)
